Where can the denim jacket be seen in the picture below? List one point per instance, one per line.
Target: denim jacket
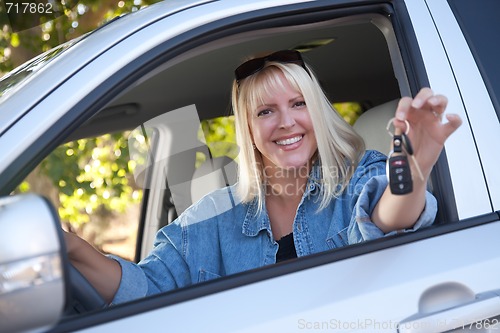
(219, 236)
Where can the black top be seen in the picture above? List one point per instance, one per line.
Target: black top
(286, 248)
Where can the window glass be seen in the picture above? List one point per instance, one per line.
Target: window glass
(90, 182)
(480, 24)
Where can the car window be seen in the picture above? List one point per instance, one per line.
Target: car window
(180, 110)
(90, 182)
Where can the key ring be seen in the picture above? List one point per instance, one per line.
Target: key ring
(389, 126)
(403, 143)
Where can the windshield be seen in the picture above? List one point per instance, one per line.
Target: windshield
(13, 79)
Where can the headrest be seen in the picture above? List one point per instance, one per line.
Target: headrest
(371, 125)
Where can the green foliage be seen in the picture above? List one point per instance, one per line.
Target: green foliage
(26, 35)
(349, 111)
(92, 177)
(220, 137)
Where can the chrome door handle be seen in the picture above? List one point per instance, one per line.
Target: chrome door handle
(451, 306)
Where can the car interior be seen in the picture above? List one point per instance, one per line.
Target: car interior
(355, 58)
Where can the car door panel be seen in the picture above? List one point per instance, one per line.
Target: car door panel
(340, 294)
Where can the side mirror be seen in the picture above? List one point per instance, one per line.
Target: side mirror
(32, 288)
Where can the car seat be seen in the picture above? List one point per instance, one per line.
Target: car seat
(371, 125)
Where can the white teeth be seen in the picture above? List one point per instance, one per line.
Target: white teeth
(289, 141)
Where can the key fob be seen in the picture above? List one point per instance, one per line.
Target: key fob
(399, 173)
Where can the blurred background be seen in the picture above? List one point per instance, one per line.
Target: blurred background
(28, 31)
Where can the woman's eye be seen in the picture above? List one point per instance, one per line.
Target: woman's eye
(299, 104)
(263, 112)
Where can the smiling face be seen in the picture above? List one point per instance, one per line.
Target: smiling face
(281, 127)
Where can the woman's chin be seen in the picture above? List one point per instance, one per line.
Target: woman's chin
(294, 165)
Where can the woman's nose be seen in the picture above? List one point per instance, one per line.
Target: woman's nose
(287, 120)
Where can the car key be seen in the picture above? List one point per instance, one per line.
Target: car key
(399, 172)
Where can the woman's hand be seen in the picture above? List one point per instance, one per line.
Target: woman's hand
(427, 132)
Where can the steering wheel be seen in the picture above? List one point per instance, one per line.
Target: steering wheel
(84, 297)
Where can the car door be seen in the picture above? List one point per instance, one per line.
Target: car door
(375, 286)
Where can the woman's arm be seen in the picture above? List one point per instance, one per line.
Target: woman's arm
(102, 272)
(427, 134)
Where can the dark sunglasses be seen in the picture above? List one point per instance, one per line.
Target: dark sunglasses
(252, 66)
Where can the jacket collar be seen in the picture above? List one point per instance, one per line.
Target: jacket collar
(256, 221)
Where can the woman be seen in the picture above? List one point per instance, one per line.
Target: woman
(305, 185)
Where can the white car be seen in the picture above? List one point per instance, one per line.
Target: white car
(170, 65)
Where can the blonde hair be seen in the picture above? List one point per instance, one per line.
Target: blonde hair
(339, 147)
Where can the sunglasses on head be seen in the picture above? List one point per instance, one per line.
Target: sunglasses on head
(252, 66)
